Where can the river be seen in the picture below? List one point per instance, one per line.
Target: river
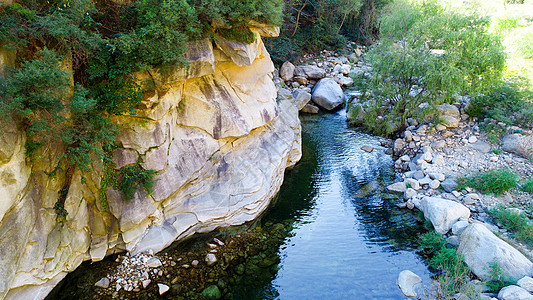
(342, 236)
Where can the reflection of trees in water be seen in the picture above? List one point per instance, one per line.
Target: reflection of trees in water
(382, 222)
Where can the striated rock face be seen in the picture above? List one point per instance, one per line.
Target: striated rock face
(216, 136)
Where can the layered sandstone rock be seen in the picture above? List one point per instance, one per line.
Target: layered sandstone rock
(214, 133)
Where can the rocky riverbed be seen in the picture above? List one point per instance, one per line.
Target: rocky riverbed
(223, 265)
(430, 158)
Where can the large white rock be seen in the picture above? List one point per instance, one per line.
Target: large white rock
(286, 71)
(328, 94)
(309, 71)
(514, 292)
(449, 115)
(481, 248)
(442, 213)
(518, 144)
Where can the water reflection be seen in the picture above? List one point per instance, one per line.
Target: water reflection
(346, 244)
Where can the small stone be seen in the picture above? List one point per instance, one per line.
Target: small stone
(413, 183)
(103, 283)
(438, 145)
(434, 184)
(438, 176)
(186, 266)
(438, 160)
(408, 136)
(407, 281)
(459, 227)
(163, 288)
(219, 242)
(418, 175)
(398, 187)
(405, 158)
(146, 283)
(367, 149)
(426, 157)
(472, 139)
(210, 259)
(447, 134)
(526, 283)
(449, 185)
(154, 262)
(440, 127)
(409, 193)
(194, 263)
(410, 205)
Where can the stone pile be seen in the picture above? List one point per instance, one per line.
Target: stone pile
(137, 272)
(431, 157)
(318, 82)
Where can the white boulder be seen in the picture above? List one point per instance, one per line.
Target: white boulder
(482, 249)
(443, 213)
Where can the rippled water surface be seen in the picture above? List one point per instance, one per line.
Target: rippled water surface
(342, 246)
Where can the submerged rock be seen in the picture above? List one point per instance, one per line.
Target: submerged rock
(211, 292)
(407, 281)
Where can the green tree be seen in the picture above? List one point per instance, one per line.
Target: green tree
(427, 55)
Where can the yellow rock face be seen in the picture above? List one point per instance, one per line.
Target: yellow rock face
(213, 132)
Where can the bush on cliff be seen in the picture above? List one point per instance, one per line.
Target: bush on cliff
(76, 62)
(426, 55)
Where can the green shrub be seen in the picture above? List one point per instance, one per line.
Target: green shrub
(498, 280)
(517, 223)
(509, 103)
(407, 71)
(450, 264)
(491, 182)
(133, 178)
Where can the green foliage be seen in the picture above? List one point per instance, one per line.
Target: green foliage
(132, 178)
(508, 103)
(59, 207)
(312, 25)
(498, 280)
(495, 181)
(128, 180)
(427, 55)
(77, 62)
(34, 94)
(448, 261)
(517, 223)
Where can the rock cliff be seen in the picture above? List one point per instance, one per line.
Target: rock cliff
(214, 133)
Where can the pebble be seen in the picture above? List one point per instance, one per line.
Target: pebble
(434, 184)
(210, 259)
(103, 283)
(163, 288)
